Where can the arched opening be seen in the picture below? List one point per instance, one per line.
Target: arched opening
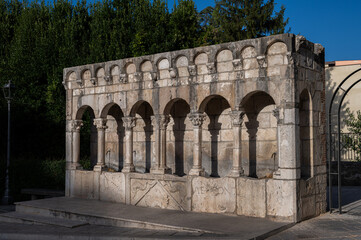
(114, 137)
(259, 136)
(143, 137)
(217, 137)
(88, 138)
(305, 142)
(179, 132)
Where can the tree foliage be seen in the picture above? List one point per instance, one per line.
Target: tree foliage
(38, 39)
(233, 20)
(353, 140)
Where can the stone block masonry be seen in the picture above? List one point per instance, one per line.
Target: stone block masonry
(233, 128)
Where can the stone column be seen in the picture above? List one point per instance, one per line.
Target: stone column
(237, 121)
(129, 124)
(100, 123)
(77, 124)
(197, 121)
(160, 123)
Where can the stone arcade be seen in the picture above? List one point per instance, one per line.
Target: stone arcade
(235, 128)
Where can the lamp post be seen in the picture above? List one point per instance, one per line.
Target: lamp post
(8, 94)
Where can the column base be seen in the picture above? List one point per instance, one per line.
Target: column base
(75, 166)
(99, 168)
(165, 170)
(196, 172)
(287, 174)
(236, 172)
(127, 169)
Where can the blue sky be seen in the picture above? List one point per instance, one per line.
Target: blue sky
(335, 24)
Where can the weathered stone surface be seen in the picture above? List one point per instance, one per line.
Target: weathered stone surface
(281, 198)
(159, 194)
(251, 195)
(220, 195)
(112, 187)
(84, 184)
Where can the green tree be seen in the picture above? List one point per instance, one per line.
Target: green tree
(234, 20)
(353, 124)
(184, 25)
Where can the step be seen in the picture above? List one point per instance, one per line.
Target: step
(18, 217)
(105, 220)
(97, 212)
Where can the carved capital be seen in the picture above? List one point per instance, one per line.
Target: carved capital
(252, 129)
(211, 68)
(74, 125)
(291, 58)
(154, 76)
(262, 62)
(129, 122)
(79, 82)
(138, 76)
(107, 78)
(278, 114)
(163, 121)
(93, 81)
(309, 61)
(197, 119)
(237, 64)
(160, 120)
(100, 123)
(123, 78)
(173, 72)
(300, 40)
(192, 69)
(237, 118)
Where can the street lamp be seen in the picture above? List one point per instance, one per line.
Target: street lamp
(8, 89)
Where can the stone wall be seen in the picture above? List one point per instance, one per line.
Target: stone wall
(238, 196)
(232, 128)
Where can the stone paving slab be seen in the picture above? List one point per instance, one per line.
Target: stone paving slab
(223, 226)
(37, 219)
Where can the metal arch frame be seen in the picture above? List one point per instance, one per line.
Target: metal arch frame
(338, 139)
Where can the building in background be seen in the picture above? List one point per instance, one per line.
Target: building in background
(335, 73)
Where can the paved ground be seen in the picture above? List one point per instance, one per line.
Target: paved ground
(184, 225)
(331, 226)
(326, 226)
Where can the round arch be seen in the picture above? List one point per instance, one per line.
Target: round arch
(106, 109)
(170, 104)
(80, 112)
(268, 99)
(306, 134)
(136, 106)
(260, 139)
(202, 106)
